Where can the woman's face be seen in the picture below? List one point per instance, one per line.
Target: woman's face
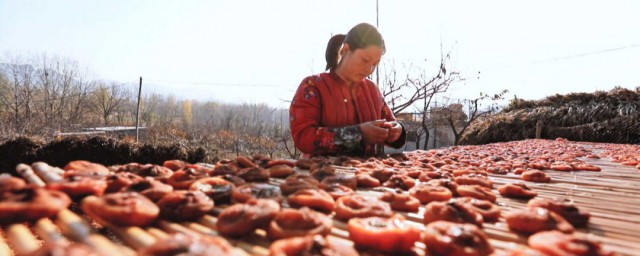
(356, 65)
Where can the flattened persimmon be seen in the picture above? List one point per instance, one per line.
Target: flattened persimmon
(387, 234)
(122, 208)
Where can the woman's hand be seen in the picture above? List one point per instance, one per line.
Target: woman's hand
(395, 130)
(374, 132)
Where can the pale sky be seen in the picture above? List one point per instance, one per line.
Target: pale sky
(259, 51)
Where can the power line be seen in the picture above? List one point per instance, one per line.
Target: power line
(83, 94)
(586, 54)
(211, 83)
(567, 57)
(553, 59)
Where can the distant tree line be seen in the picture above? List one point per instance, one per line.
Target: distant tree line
(44, 95)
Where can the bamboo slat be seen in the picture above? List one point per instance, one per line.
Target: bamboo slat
(46, 172)
(22, 239)
(48, 232)
(4, 247)
(612, 196)
(69, 223)
(157, 233)
(253, 249)
(134, 236)
(27, 173)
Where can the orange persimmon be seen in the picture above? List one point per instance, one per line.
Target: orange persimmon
(385, 234)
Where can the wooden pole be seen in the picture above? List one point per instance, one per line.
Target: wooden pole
(379, 149)
(435, 124)
(138, 111)
(377, 26)
(539, 129)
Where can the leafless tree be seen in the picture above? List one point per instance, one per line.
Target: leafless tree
(282, 133)
(459, 119)
(418, 88)
(46, 93)
(168, 110)
(5, 113)
(79, 101)
(270, 146)
(414, 129)
(56, 80)
(149, 107)
(285, 139)
(107, 98)
(19, 94)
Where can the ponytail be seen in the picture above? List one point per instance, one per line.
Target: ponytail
(333, 50)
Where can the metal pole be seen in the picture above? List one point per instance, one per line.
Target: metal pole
(377, 13)
(377, 25)
(378, 148)
(138, 110)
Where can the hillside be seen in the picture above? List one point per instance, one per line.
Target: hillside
(601, 116)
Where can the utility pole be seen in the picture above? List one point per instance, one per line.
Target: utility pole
(379, 148)
(377, 26)
(138, 111)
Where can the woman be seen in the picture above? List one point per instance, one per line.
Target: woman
(343, 112)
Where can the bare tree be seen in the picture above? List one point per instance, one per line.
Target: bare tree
(282, 133)
(284, 137)
(170, 109)
(42, 93)
(106, 99)
(459, 121)
(149, 107)
(19, 94)
(413, 126)
(441, 116)
(270, 146)
(417, 86)
(210, 114)
(79, 101)
(228, 121)
(230, 142)
(5, 113)
(418, 89)
(55, 80)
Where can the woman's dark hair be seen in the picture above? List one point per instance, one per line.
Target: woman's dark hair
(361, 36)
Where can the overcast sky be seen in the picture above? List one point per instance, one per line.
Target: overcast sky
(259, 51)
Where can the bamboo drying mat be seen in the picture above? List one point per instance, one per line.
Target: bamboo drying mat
(612, 196)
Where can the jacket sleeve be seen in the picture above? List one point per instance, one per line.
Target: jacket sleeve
(308, 135)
